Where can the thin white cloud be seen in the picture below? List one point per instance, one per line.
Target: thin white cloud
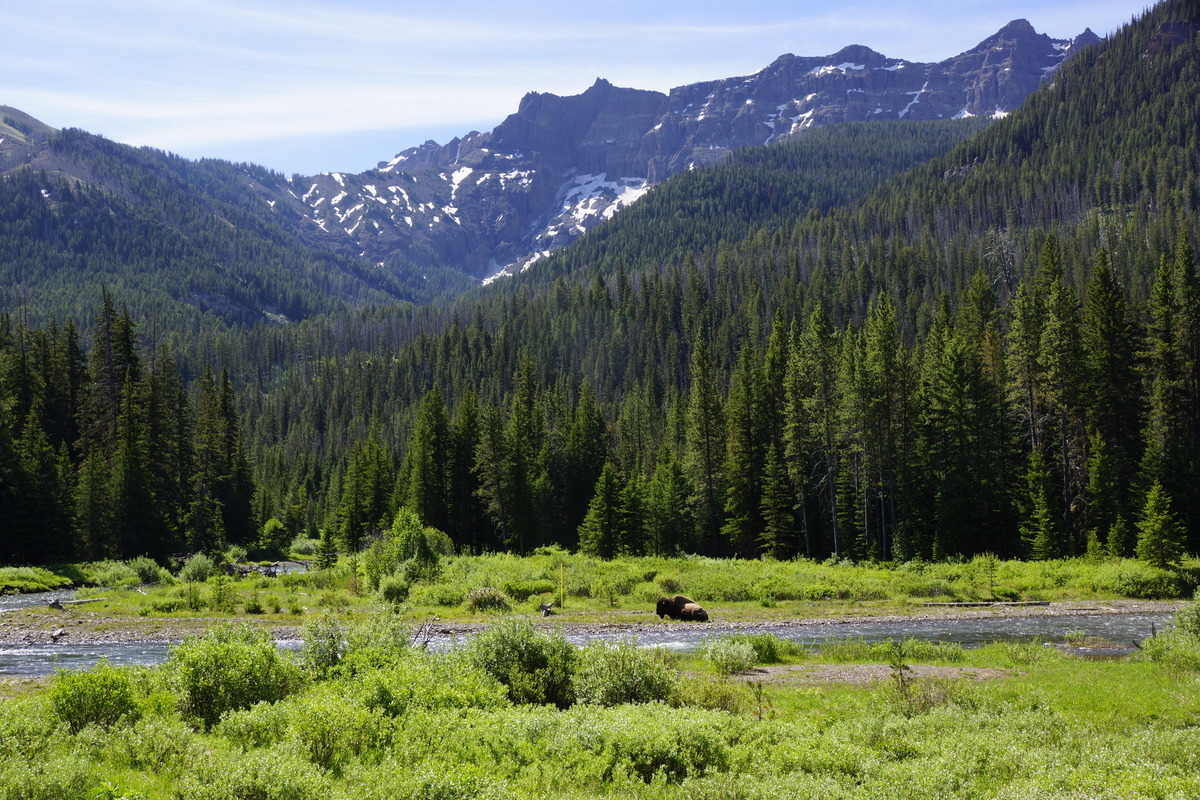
(190, 73)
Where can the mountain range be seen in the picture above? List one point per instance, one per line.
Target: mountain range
(436, 218)
(489, 203)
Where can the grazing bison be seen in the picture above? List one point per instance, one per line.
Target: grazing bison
(680, 607)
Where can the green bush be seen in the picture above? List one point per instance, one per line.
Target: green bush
(394, 590)
(522, 590)
(621, 672)
(302, 546)
(534, 667)
(485, 599)
(671, 745)
(197, 569)
(157, 743)
(1129, 578)
(1187, 621)
(727, 655)
(768, 648)
(68, 776)
(274, 773)
(332, 732)
(229, 668)
(324, 644)
(260, 725)
(31, 579)
(148, 570)
(427, 681)
(26, 729)
(114, 575)
(1174, 649)
(430, 781)
(102, 696)
(437, 594)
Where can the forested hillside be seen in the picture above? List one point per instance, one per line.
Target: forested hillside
(189, 244)
(996, 351)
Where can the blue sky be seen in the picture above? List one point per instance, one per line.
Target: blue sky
(307, 87)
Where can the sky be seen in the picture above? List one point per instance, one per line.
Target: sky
(307, 87)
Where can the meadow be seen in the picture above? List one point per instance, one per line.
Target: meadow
(518, 712)
(586, 589)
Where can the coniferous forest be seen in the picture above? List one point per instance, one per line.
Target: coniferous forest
(878, 341)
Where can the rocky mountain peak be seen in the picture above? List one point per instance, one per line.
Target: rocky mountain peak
(498, 200)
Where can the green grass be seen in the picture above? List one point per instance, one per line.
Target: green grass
(38, 579)
(428, 725)
(589, 590)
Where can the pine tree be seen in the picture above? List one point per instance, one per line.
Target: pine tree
(600, 534)
(669, 526)
(1160, 541)
(427, 463)
(1113, 395)
(705, 449)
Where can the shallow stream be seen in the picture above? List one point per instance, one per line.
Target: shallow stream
(1120, 630)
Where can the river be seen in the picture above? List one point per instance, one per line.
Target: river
(1120, 629)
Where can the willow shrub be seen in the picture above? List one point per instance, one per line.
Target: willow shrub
(610, 674)
(229, 668)
(535, 667)
(103, 696)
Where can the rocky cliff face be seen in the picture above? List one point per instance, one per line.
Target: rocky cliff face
(494, 202)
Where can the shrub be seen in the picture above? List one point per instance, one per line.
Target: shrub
(324, 645)
(671, 745)
(522, 590)
(332, 731)
(26, 730)
(1174, 649)
(486, 598)
(197, 569)
(1187, 621)
(439, 541)
(302, 546)
(534, 667)
(437, 594)
(274, 536)
(148, 570)
(394, 590)
(1129, 578)
(768, 648)
(229, 668)
(621, 672)
(235, 554)
(728, 655)
(156, 743)
(114, 575)
(429, 682)
(68, 775)
(273, 773)
(101, 696)
(260, 725)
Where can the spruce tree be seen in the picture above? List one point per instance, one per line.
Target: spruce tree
(1161, 538)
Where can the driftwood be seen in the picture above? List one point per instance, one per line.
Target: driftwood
(60, 604)
(547, 609)
(990, 604)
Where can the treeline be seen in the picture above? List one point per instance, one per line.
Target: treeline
(108, 455)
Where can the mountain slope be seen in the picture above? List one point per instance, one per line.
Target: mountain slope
(173, 237)
(560, 165)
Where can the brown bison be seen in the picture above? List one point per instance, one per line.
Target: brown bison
(680, 607)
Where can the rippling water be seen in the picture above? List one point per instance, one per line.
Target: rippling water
(1121, 629)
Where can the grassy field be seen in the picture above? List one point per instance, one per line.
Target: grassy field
(587, 590)
(519, 713)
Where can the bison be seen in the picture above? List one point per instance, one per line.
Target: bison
(680, 607)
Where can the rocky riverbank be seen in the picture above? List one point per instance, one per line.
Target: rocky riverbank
(42, 625)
